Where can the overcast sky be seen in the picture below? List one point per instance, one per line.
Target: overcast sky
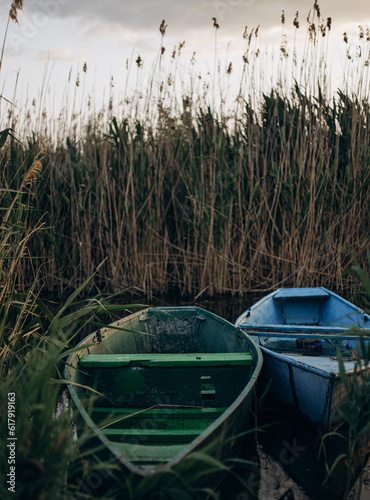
(104, 34)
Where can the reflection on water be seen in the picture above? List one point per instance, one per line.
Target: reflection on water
(283, 463)
(275, 482)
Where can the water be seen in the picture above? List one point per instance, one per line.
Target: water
(287, 467)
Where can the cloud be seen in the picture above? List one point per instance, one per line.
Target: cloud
(143, 15)
(107, 29)
(134, 26)
(63, 53)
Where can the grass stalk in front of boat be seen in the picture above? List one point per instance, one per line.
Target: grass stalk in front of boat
(37, 437)
(351, 441)
(186, 480)
(351, 448)
(36, 419)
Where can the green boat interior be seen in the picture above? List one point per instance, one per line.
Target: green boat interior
(147, 436)
(162, 380)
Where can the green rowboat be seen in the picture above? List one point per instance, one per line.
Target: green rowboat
(170, 381)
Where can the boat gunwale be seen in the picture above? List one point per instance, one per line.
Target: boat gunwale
(271, 295)
(205, 434)
(299, 364)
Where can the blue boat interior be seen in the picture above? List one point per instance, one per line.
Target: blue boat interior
(323, 355)
(310, 307)
(313, 322)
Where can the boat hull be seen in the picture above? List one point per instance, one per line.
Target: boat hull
(308, 382)
(149, 332)
(315, 394)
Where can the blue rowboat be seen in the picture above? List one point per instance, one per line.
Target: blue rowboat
(299, 331)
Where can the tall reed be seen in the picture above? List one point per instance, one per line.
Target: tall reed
(346, 450)
(174, 193)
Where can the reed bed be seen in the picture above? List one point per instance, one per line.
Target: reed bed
(176, 193)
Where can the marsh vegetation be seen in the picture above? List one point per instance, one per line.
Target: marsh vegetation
(192, 188)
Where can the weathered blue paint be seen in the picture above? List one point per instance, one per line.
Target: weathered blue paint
(309, 381)
(285, 332)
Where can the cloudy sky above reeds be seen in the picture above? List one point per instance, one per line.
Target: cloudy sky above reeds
(67, 33)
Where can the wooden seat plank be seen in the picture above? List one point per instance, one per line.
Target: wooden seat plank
(163, 436)
(166, 360)
(149, 453)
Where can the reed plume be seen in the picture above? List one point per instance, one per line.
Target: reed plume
(16, 6)
(34, 172)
